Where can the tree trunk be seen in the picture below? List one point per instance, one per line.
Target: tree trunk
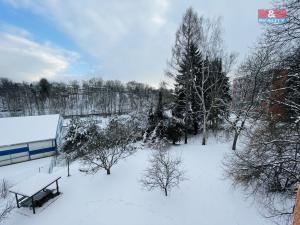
(68, 167)
(185, 134)
(195, 128)
(203, 140)
(204, 133)
(236, 135)
(108, 171)
(166, 192)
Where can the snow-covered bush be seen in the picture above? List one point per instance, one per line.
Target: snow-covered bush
(156, 123)
(77, 135)
(270, 161)
(174, 131)
(107, 146)
(166, 131)
(136, 122)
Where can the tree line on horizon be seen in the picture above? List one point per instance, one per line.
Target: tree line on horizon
(92, 97)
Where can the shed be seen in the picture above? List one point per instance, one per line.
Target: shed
(29, 137)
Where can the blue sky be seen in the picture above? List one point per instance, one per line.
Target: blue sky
(117, 39)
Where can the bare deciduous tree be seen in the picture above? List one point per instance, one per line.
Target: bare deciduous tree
(287, 34)
(208, 84)
(269, 163)
(249, 89)
(269, 166)
(164, 172)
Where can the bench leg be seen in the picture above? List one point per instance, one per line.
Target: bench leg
(57, 188)
(33, 206)
(17, 200)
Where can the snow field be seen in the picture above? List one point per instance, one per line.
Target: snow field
(205, 197)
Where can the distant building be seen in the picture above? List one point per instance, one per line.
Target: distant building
(296, 219)
(277, 97)
(29, 137)
(273, 97)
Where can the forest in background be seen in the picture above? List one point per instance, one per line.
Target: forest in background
(92, 97)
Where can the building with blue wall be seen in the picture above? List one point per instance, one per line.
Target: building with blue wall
(29, 137)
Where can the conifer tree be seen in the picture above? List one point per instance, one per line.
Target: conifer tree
(184, 63)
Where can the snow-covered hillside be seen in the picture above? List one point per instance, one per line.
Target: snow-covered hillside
(205, 197)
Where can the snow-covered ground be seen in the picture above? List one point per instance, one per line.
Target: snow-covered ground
(205, 198)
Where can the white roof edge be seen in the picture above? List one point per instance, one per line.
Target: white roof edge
(28, 129)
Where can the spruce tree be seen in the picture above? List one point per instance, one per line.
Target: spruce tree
(184, 65)
(186, 107)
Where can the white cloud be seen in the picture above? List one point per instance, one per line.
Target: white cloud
(97, 25)
(23, 59)
(161, 7)
(132, 39)
(126, 37)
(9, 28)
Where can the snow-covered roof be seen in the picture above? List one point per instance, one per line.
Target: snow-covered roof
(19, 130)
(34, 184)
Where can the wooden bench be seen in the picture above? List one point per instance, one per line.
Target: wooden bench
(39, 199)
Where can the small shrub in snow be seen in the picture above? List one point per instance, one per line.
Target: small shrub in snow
(4, 189)
(168, 130)
(137, 124)
(174, 131)
(164, 172)
(6, 202)
(5, 209)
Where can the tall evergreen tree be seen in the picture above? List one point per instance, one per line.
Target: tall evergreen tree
(184, 62)
(186, 106)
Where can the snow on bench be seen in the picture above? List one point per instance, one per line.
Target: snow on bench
(34, 184)
(32, 188)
